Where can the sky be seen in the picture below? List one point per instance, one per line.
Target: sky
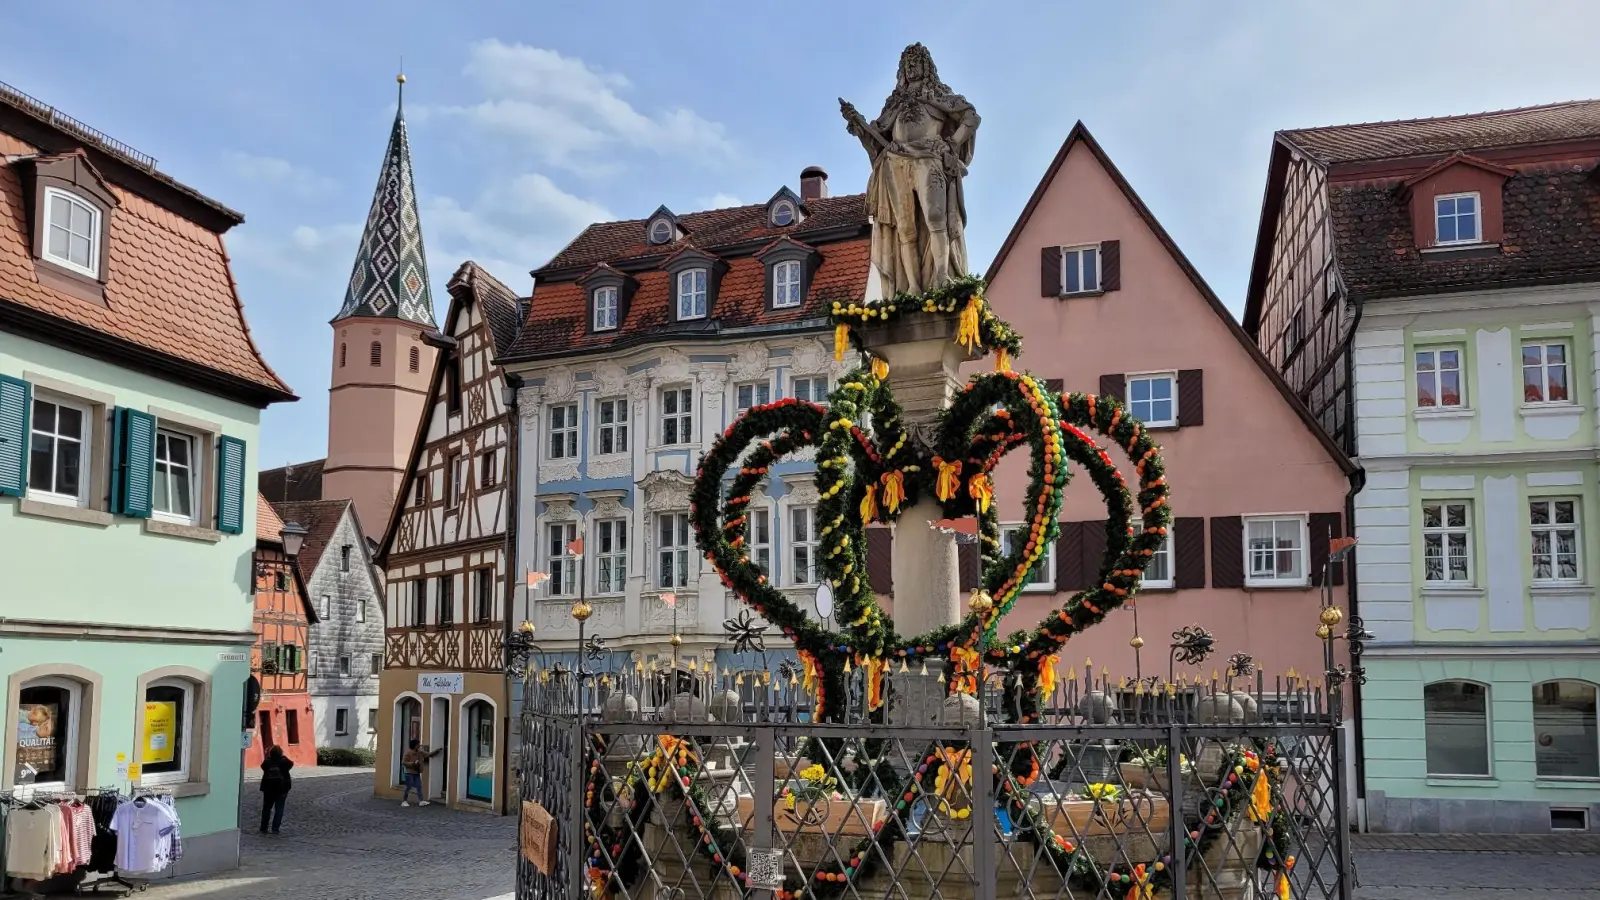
(529, 120)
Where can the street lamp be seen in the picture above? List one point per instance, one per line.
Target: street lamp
(294, 537)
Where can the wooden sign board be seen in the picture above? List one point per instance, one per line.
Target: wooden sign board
(538, 837)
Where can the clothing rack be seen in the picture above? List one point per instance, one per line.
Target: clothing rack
(102, 801)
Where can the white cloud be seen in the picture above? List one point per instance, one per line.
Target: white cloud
(720, 201)
(573, 115)
(318, 255)
(272, 170)
(509, 230)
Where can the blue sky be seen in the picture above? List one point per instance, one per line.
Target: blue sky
(529, 120)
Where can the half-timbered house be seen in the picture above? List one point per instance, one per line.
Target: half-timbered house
(445, 556)
(283, 620)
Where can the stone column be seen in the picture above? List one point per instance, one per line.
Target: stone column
(924, 371)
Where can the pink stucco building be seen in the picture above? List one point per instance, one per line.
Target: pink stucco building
(1107, 303)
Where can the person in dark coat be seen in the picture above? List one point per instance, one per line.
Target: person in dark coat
(275, 785)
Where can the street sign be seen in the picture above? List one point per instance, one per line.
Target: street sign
(441, 683)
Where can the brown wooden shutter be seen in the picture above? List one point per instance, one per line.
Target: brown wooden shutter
(1115, 385)
(1110, 265)
(880, 560)
(1070, 574)
(1050, 272)
(970, 564)
(1324, 528)
(1191, 397)
(1227, 552)
(1189, 553)
(1094, 549)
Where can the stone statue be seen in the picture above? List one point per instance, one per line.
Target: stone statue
(920, 146)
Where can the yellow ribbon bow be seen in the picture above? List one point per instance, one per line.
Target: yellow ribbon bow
(880, 368)
(894, 490)
(1261, 799)
(869, 504)
(949, 479)
(841, 341)
(1002, 360)
(981, 491)
(967, 327)
(1047, 675)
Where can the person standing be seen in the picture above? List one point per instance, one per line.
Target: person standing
(275, 785)
(411, 772)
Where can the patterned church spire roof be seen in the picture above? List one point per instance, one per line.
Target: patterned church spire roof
(390, 276)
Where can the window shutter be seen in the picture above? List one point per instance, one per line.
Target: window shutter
(1094, 550)
(1114, 385)
(1191, 397)
(135, 462)
(1110, 265)
(16, 403)
(970, 564)
(1050, 272)
(1227, 552)
(1055, 385)
(1189, 553)
(880, 560)
(230, 485)
(1069, 558)
(1324, 528)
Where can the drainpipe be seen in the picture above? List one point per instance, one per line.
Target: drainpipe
(510, 554)
(1358, 480)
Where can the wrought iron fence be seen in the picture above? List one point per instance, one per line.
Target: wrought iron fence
(1119, 789)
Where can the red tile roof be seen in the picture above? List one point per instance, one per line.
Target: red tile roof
(1576, 120)
(498, 303)
(320, 519)
(268, 526)
(619, 242)
(169, 289)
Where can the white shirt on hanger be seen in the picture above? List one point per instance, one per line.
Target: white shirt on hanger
(144, 835)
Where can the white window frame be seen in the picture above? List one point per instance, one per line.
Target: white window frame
(1167, 553)
(344, 667)
(678, 548)
(1552, 529)
(617, 427)
(361, 610)
(1477, 219)
(611, 556)
(1045, 570)
(1152, 377)
(1443, 532)
(375, 665)
(341, 721)
(1303, 548)
(186, 735)
(778, 209)
(811, 382)
(70, 759)
(93, 268)
(605, 309)
(458, 479)
(759, 538)
(560, 562)
(661, 232)
(196, 465)
(1073, 257)
(1435, 354)
(693, 297)
(1544, 367)
(682, 418)
(786, 284)
(811, 572)
(760, 394)
(85, 450)
(566, 434)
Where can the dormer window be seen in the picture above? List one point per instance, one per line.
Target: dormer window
(1457, 219)
(789, 266)
(72, 232)
(661, 232)
(783, 214)
(605, 309)
(692, 294)
(783, 209)
(786, 284)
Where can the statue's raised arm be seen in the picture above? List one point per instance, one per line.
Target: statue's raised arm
(920, 146)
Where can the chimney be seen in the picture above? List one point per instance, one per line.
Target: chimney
(813, 184)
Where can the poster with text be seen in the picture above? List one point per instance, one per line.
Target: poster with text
(160, 731)
(37, 738)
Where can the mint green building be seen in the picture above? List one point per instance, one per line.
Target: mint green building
(130, 400)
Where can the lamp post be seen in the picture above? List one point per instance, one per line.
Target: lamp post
(1355, 634)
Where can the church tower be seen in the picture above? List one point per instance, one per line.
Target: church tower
(381, 362)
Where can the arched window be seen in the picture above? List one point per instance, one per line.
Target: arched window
(166, 740)
(416, 359)
(46, 750)
(480, 762)
(377, 353)
(1566, 741)
(342, 354)
(1456, 728)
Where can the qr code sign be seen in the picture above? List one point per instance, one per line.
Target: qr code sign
(765, 869)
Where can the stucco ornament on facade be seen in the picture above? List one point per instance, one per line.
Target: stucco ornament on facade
(810, 358)
(608, 506)
(560, 384)
(530, 404)
(666, 490)
(672, 366)
(750, 362)
(611, 378)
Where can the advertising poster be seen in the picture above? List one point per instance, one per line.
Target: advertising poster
(37, 738)
(160, 731)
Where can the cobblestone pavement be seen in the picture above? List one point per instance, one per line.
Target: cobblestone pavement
(340, 843)
(1477, 867)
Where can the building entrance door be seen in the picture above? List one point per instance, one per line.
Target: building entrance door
(439, 739)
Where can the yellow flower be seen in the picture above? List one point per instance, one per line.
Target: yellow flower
(816, 774)
(1102, 792)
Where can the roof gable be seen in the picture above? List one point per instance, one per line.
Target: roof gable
(1453, 160)
(1081, 141)
(1551, 123)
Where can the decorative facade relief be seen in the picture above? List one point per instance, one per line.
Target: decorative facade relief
(608, 506)
(613, 465)
(560, 508)
(551, 470)
(666, 490)
(610, 378)
(658, 616)
(801, 490)
(810, 358)
(530, 404)
(751, 362)
(559, 384)
(673, 366)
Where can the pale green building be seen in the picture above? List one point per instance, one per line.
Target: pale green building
(130, 400)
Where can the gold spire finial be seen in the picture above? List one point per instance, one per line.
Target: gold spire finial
(400, 79)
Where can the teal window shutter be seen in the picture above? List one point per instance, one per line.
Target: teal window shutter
(134, 469)
(16, 403)
(230, 485)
